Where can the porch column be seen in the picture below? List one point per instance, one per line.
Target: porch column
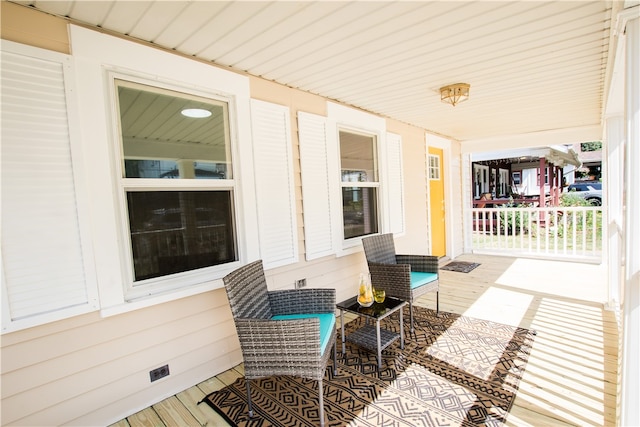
(560, 178)
(630, 410)
(542, 219)
(613, 165)
(553, 181)
(542, 171)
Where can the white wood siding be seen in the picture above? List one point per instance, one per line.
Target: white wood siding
(88, 370)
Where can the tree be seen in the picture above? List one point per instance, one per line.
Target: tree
(591, 146)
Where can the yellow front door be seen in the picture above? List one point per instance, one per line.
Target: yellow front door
(436, 202)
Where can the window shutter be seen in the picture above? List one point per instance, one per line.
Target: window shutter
(315, 185)
(395, 183)
(275, 190)
(44, 270)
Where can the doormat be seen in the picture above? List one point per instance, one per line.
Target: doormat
(460, 266)
(455, 370)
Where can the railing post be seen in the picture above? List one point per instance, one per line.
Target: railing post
(542, 172)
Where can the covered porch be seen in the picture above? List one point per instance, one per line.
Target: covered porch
(571, 375)
(316, 69)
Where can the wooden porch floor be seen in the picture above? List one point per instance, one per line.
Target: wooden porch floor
(571, 376)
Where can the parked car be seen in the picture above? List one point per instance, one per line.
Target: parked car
(589, 190)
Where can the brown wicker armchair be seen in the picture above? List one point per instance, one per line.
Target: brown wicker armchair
(406, 277)
(287, 332)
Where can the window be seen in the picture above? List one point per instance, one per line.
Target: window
(434, 167)
(516, 178)
(351, 173)
(546, 176)
(176, 181)
(481, 183)
(143, 152)
(504, 182)
(360, 183)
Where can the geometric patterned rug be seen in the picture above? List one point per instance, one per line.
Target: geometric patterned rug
(454, 371)
(460, 266)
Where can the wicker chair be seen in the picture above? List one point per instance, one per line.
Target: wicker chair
(406, 277)
(286, 332)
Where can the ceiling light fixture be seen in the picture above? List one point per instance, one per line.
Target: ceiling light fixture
(455, 93)
(197, 113)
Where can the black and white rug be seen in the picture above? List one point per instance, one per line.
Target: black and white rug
(455, 370)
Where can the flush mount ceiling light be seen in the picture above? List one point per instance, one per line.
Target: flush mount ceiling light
(197, 113)
(455, 93)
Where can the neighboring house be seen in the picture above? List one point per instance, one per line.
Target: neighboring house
(515, 173)
(109, 268)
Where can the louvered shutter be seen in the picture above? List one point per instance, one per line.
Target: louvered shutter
(314, 165)
(395, 184)
(275, 190)
(44, 274)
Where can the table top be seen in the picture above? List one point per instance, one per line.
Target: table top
(376, 311)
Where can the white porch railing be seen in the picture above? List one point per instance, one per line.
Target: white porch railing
(558, 232)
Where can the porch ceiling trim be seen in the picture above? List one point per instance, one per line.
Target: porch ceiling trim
(390, 57)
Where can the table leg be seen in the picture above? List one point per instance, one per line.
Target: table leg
(401, 331)
(378, 342)
(344, 350)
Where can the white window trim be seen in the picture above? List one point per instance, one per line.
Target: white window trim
(376, 183)
(449, 176)
(395, 183)
(345, 118)
(96, 55)
(169, 283)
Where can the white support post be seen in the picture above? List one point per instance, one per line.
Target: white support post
(629, 408)
(614, 173)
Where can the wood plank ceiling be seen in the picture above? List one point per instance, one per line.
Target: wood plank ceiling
(532, 65)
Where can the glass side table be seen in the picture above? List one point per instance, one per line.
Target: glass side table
(370, 337)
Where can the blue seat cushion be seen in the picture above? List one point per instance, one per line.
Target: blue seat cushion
(419, 278)
(327, 324)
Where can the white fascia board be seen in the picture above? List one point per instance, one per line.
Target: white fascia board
(534, 139)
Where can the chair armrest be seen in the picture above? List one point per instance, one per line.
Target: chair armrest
(265, 335)
(302, 301)
(422, 263)
(395, 279)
